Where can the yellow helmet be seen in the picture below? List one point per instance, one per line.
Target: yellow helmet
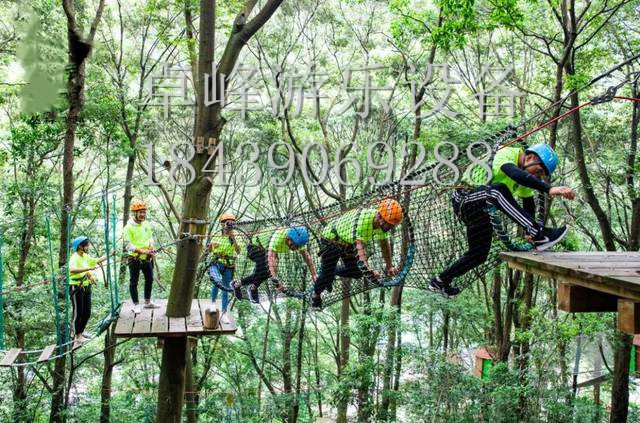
(226, 216)
(137, 205)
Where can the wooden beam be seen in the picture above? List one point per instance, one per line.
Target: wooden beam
(628, 291)
(578, 299)
(628, 316)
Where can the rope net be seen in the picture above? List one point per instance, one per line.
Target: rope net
(348, 241)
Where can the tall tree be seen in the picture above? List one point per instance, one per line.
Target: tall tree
(79, 51)
(209, 124)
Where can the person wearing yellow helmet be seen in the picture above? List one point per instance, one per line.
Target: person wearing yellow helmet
(138, 237)
(345, 238)
(80, 266)
(223, 249)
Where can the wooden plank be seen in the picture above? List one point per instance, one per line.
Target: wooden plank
(578, 299)
(159, 321)
(629, 316)
(194, 321)
(46, 353)
(11, 356)
(142, 322)
(620, 286)
(573, 255)
(124, 324)
(177, 325)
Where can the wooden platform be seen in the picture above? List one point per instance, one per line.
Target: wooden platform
(589, 282)
(155, 323)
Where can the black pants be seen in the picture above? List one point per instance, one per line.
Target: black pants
(81, 303)
(470, 206)
(330, 253)
(260, 271)
(135, 266)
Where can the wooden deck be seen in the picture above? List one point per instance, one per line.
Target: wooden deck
(155, 323)
(589, 282)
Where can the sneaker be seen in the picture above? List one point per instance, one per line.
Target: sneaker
(150, 305)
(137, 309)
(78, 342)
(316, 302)
(225, 319)
(548, 237)
(444, 289)
(436, 285)
(85, 336)
(451, 291)
(236, 290)
(329, 288)
(253, 294)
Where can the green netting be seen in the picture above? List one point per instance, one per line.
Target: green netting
(429, 238)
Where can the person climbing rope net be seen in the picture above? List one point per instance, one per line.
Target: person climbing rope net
(515, 172)
(345, 238)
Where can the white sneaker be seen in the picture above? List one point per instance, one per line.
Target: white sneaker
(85, 336)
(137, 309)
(150, 304)
(225, 319)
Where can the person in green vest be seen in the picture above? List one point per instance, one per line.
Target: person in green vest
(264, 253)
(515, 173)
(224, 249)
(80, 280)
(138, 238)
(345, 238)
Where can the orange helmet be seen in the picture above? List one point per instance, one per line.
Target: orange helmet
(137, 205)
(226, 216)
(391, 211)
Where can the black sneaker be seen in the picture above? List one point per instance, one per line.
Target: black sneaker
(253, 294)
(548, 237)
(237, 291)
(329, 288)
(435, 285)
(444, 289)
(450, 291)
(316, 302)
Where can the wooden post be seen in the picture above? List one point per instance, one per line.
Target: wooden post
(628, 316)
(211, 318)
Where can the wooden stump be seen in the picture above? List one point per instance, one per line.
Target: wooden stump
(211, 318)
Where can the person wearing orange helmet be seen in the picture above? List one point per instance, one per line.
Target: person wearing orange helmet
(224, 249)
(345, 238)
(138, 238)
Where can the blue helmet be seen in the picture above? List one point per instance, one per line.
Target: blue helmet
(298, 235)
(78, 242)
(548, 157)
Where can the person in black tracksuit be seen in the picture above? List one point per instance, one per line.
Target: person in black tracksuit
(514, 172)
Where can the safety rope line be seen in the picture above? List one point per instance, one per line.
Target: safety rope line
(1, 297)
(67, 328)
(54, 286)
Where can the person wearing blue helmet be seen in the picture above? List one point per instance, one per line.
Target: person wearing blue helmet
(264, 251)
(80, 266)
(514, 173)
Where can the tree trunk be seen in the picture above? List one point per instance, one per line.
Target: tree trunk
(344, 348)
(391, 356)
(196, 198)
(79, 50)
(620, 385)
(107, 373)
